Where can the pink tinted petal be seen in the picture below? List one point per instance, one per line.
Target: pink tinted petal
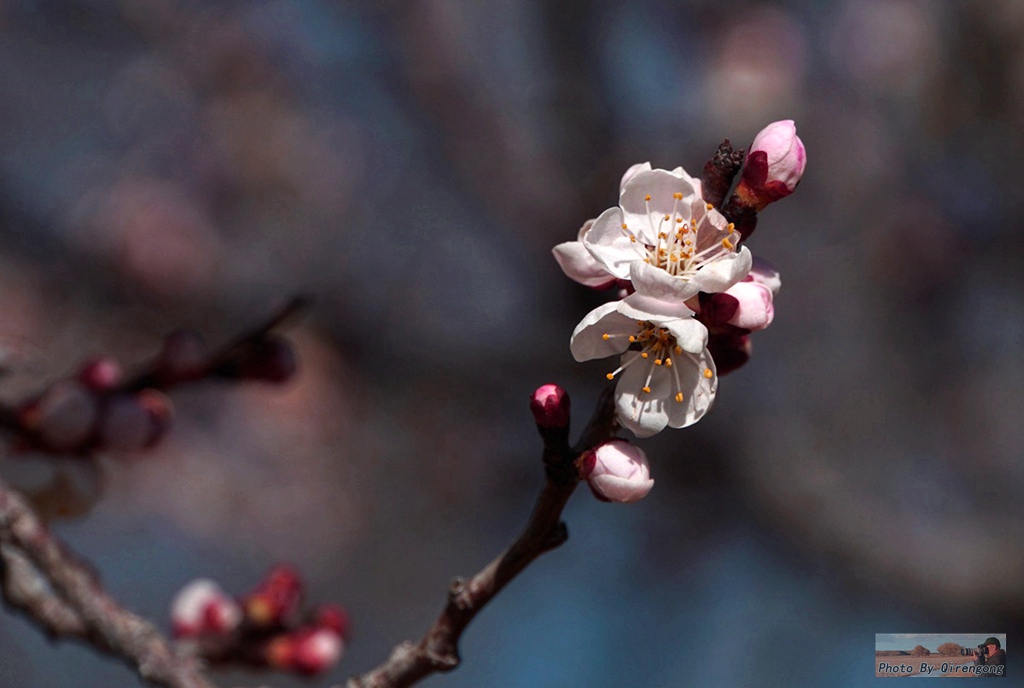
(609, 245)
(588, 340)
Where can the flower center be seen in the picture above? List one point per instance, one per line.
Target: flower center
(682, 246)
(657, 346)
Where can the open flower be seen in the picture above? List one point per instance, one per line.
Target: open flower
(666, 376)
(666, 240)
(574, 258)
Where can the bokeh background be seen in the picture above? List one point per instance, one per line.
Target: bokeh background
(176, 162)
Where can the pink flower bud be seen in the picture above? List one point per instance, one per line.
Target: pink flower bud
(774, 165)
(550, 406)
(617, 472)
(745, 305)
(315, 650)
(100, 374)
(202, 608)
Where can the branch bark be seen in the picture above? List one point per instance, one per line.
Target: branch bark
(44, 580)
(438, 649)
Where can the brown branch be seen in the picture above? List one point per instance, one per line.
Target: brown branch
(438, 649)
(44, 580)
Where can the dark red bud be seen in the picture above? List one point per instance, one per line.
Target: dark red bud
(185, 356)
(550, 406)
(335, 618)
(65, 416)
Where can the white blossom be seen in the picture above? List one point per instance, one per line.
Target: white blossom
(666, 375)
(665, 239)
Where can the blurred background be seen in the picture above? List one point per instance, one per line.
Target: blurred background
(176, 162)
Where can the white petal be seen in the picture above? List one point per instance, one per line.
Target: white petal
(694, 182)
(633, 169)
(642, 413)
(690, 334)
(587, 339)
(577, 263)
(660, 185)
(698, 390)
(642, 307)
(723, 273)
(609, 245)
(656, 283)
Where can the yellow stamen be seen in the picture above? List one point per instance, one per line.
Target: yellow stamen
(610, 376)
(647, 197)
(708, 374)
(728, 244)
(732, 227)
(632, 338)
(647, 389)
(679, 349)
(668, 362)
(678, 196)
(709, 207)
(606, 337)
(679, 397)
(643, 355)
(657, 361)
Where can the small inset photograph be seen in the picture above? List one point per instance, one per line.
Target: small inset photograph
(940, 655)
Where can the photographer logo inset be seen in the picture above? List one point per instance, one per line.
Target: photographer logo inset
(940, 655)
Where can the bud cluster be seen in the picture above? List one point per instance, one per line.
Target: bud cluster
(266, 628)
(98, 408)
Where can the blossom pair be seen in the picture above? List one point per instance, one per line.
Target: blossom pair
(686, 281)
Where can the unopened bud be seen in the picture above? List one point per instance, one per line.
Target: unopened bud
(275, 600)
(64, 417)
(315, 650)
(550, 406)
(744, 305)
(185, 356)
(100, 374)
(333, 617)
(135, 421)
(729, 351)
(202, 608)
(616, 471)
(774, 165)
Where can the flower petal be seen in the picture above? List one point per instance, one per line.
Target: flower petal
(588, 340)
(641, 307)
(577, 263)
(721, 274)
(698, 389)
(656, 283)
(633, 169)
(642, 413)
(640, 214)
(690, 334)
(609, 245)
